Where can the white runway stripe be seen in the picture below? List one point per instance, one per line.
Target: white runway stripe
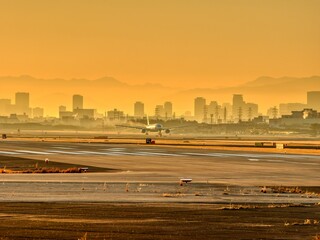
(63, 148)
(280, 161)
(147, 154)
(303, 163)
(33, 152)
(307, 163)
(64, 152)
(207, 154)
(115, 149)
(252, 155)
(100, 153)
(160, 154)
(10, 153)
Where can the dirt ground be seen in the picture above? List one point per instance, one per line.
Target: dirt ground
(156, 221)
(17, 164)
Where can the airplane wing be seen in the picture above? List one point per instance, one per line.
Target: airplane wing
(128, 126)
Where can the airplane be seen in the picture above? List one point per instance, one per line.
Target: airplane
(157, 127)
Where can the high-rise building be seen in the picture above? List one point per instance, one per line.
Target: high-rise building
(38, 112)
(227, 111)
(288, 108)
(273, 113)
(238, 107)
(77, 102)
(199, 109)
(251, 111)
(313, 100)
(212, 107)
(242, 111)
(159, 111)
(5, 106)
(22, 103)
(84, 113)
(214, 111)
(115, 115)
(138, 110)
(168, 110)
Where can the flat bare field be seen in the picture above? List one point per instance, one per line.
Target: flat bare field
(70, 220)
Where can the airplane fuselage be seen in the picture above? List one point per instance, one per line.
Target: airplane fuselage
(154, 127)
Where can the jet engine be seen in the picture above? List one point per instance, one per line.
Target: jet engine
(167, 130)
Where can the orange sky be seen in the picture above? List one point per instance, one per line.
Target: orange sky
(182, 43)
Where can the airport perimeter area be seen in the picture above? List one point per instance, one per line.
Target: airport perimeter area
(132, 190)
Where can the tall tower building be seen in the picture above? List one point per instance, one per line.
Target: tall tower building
(22, 100)
(4, 106)
(22, 103)
(168, 110)
(77, 102)
(313, 100)
(159, 111)
(237, 106)
(138, 110)
(199, 109)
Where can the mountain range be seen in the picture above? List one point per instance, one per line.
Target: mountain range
(107, 92)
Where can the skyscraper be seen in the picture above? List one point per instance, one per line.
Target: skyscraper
(22, 103)
(77, 102)
(237, 106)
(22, 100)
(38, 112)
(199, 108)
(251, 111)
(313, 100)
(159, 111)
(168, 110)
(138, 109)
(4, 106)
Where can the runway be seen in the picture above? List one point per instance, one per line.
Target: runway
(165, 163)
(151, 172)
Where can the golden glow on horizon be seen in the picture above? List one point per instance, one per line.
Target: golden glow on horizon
(183, 44)
(179, 43)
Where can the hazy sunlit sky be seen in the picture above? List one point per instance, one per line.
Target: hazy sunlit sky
(181, 43)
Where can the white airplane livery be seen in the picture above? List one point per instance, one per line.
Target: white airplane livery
(157, 127)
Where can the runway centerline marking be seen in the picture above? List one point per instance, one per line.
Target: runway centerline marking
(272, 160)
(64, 152)
(10, 153)
(161, 154)
(64, 148)
(33, 152)
(116, 149)
(253, 160)
(100, 153)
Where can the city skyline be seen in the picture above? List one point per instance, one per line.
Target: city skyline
(265, 91)
(210, 112)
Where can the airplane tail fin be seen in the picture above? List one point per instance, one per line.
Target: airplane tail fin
(148, 120)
